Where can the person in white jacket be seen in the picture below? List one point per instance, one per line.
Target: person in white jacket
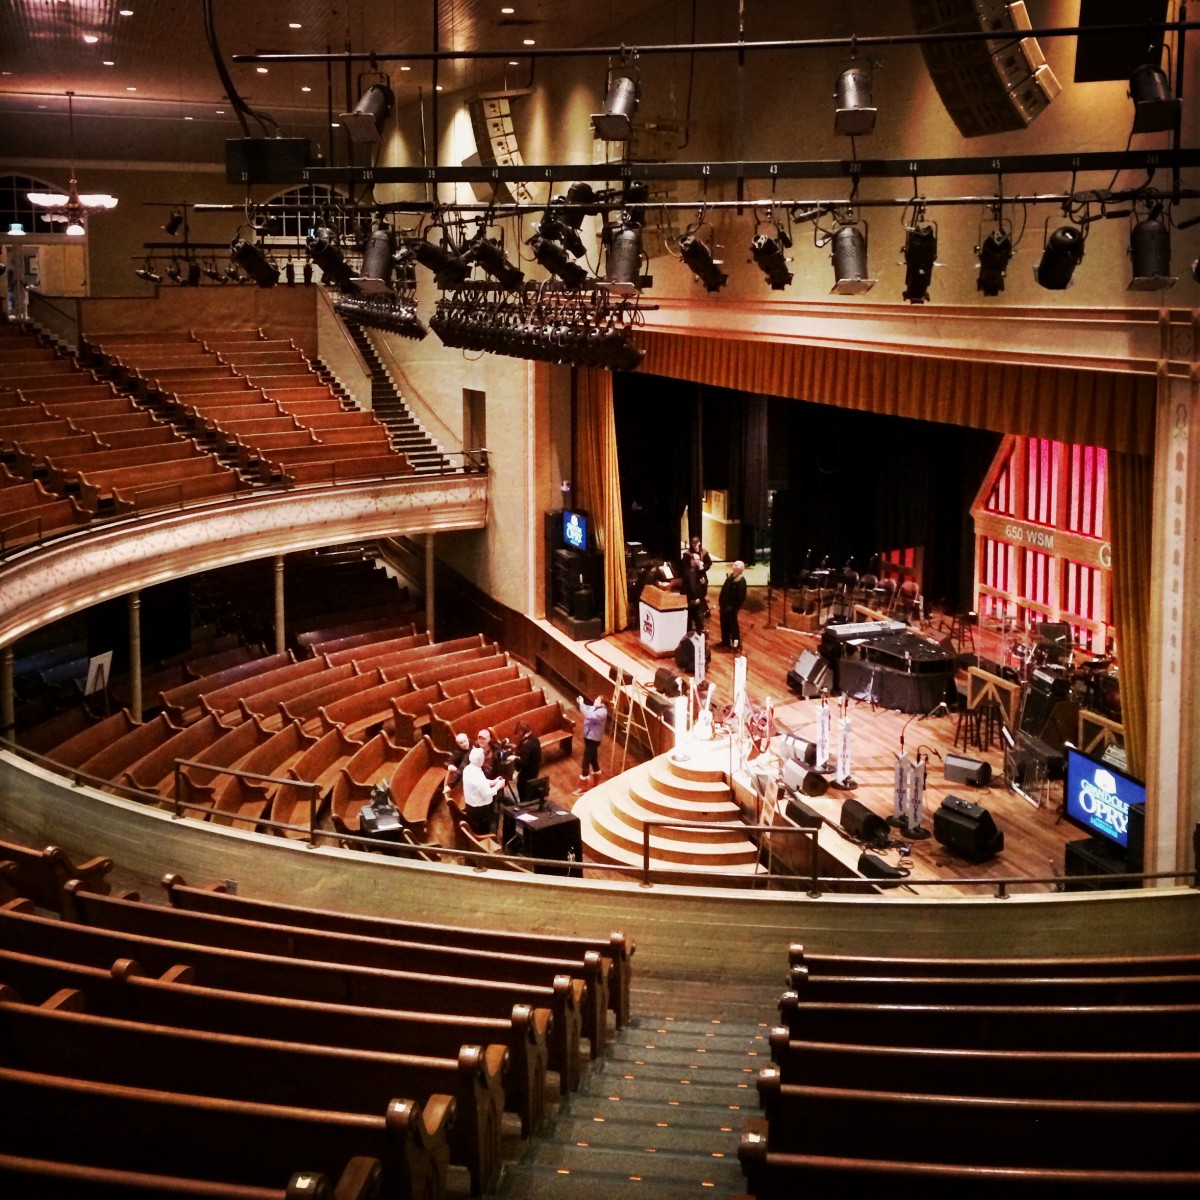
(479, 792)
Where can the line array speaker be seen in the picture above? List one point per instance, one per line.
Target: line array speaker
(988, 86)
(496, 146)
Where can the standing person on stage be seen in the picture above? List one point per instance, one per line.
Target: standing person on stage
(730, 601)
(480, 794)
(595, 718)
(703, 561)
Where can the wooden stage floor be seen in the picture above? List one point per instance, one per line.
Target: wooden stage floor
(1034, 836)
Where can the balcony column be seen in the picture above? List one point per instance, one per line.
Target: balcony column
(429, 573)
(135, 655)
(280, 624)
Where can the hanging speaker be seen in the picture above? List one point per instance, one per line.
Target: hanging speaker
(959, 769)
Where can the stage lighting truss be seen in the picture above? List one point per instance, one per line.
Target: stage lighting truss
(391, 312)
(696, 252)
(767, 250)
(920, 256)
(587, 327)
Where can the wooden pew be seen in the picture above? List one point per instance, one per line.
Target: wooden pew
(354, 786)
(378, 622)
(201, 784)
(378, 647)
(111, 760)
(155, 771)
(403, 663)
(40, 875)
(56, 1041)
(844, 964)
(1061, 1075)
(206, 1138)
(62, 474)
(462, 684)
(362, 714)
(98, 486)
(249, 798)
(980, 1131)
(228, 698)
(414, 778)
(350, 466)
(182, 704)
(444, 732)
(91, 741)
(617, 949)
(320, 764)
(305, 979)
(186, 491)
(997, 1027)
(554, 726)
(380, 632)
(411, 712)
(266, 702)
(304, 708)
(449, 674)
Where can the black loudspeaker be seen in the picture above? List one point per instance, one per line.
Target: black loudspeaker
(871, 866)
(805, 817)
(583, 603)
(265, 160)
(974, 771)
(810, 675)
(801, 749)
(552, 833)
(860, 823)
(799, 779)
(967, 829)
(667, 682)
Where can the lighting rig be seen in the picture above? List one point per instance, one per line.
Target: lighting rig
(767, 252)
(696, 252)
(920, 256)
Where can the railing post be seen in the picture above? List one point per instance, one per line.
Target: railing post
(646, 854)
(178, 785)
(814, 885)
(312, 817)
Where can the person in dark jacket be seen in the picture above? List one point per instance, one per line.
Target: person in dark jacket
(730, 601)
(529, 759)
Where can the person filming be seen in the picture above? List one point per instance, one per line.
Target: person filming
(528, 760)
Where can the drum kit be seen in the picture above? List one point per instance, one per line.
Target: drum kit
(1093, 682)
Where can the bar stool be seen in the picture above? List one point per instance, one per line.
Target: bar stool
(988, 728)
(967, 730)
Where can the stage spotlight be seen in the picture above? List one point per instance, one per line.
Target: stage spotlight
(365, 123)
(213, 272)
(553, 257)
(1063, 252)
(699, 258)
(768, 257)
(1155, 110)
(449, 269)
(1196, 269)
(489, 254)
(193, 274)
(855, 113)
(174, 223)
(850, 275)
(254, 262)
(625, 255)
(1150, 252)
(174, 273)
(920, 254)
(615, 123)
(328, 257)
(994, 252)
(378, 261)
(148, 273)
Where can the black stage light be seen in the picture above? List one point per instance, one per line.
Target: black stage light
(213, 272)
(1063, 252)
(193, 274)
(289, 273)
(920, 254)
(994, 252)
(554, 258)
(449, 269)
(365, 123)
(615, 123)
(1155, 110)
(174, 272)
(148, 273)
(323, 252)
(855, 113)
(850, 275)
(254, 262)
(554, 227)
(489, 254)
(699, 258)
(768, 257)
(174, 223)
(391, 314)
(1196, 269)
(378, 261)
(1150, 253)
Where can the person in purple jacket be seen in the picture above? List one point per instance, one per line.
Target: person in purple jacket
(595, 718)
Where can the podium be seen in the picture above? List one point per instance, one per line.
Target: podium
(550, 833)
(662, 620)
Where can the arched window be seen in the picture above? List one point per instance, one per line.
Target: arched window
(299, 209)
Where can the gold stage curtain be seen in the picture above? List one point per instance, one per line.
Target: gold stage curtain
(1094, 408)
(598, 485)
(1130, 507)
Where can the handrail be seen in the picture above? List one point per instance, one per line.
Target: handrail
(410, 394)
(313, 789)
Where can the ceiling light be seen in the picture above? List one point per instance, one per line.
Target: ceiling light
(108, 62)
(615, 123)
(508, 12)
(1062, 253)
(16, 229)
(125, 12)
(512, 62)
(699, 257)
(994, 252)
(220, 112)
(75, 227)
(855, 113)
(553, 256)
(920, 253)
(263, 70)
(294, 25)
(1150, 252)
(406, 68)
(72, 206)
(131, 89)
(374, 107)
(306, 88)
(189, 118)
(439, 88)
(529, 42)
(850, 275)
(377, 260)
(148, 273)
(90, 38)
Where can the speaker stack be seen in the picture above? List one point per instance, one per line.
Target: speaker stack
(967, 829)
(990, 85)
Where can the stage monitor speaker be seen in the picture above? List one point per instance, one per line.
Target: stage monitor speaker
(967, 829)
(810, 675)
(552, 833)
(861, 824)
(667, 682)
(799, 779)
(801, 749)
(583, 603)
(974, 771)
(805, 817)
(871, 866)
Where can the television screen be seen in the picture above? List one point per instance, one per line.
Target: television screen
(575, 530)
(1097, 797)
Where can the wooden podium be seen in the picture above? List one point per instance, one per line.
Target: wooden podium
(662, 619)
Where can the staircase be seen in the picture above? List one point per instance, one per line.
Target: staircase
(660, 1115)
(388, 405)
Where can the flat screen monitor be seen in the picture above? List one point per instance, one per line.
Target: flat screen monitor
(1098, 796)
(575, 530)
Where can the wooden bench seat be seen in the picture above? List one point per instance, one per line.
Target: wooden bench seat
(39, 875)
(334, 470)
(147, 435)
(110, 761)
(616, 947)
(182, 704)
(302, 978)
(346, 418)
(200, 784)
(319, 765)
(443, 732)
(23, 525)
(97, 486)
(553, 725)
(28, 460)
(366, 446)
(382, 631)
(393, 658)
(334, 435)
(226, 699)
(35, 431)
(1068, 1075)
(414, 778)
(155, 771)
(186, 491)
(91, 741)
(362, 653)
(464, 684)
(249, 798)
(363, 714)
(459, 671)
(23, 412)
(373, 761)
(16, 496)
(219, 1140)
(61, 474)
(53, 1040)
(253, 447)
(232, 432)
(411, 713)
(306, 708)
(266, 703)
